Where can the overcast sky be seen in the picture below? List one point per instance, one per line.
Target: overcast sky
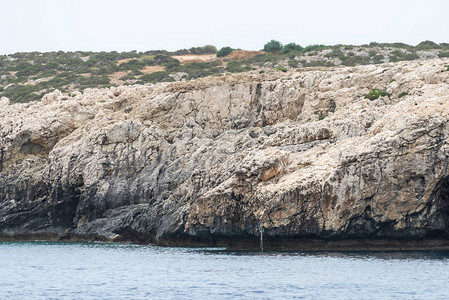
(97, 25)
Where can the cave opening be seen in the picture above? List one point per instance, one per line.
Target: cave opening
(437, 210)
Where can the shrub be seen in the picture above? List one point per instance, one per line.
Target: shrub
(135, 73)
(402, 94)
(398, 55)
(272, 46)
(293, 63)
(336, 53)
(172, 65)
(261, 71)
(427, 45)
(161, 59)
(224, 51)
(291, 47)
(133, 64)
(22, 93)
(375, 94)
(237, 67)
(156, 77)
(356, 60)
(443, 54)
(208, 49)
(127, 77)
(314, 48)
(282, 69)
(261, 59)
(317, 63)
(181, 52)
(93, 81)
(377, 59)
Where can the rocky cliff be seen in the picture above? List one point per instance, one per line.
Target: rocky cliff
(301, 158)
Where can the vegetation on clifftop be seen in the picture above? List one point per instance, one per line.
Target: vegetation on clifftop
(26, 77)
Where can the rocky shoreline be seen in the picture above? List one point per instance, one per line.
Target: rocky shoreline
(249, 243)
(302, 156)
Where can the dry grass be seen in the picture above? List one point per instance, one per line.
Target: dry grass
(191, 58)
(152, 69)
(39, 80)
(122, 61)
(87, 75)
(115, 77)
(241, 54)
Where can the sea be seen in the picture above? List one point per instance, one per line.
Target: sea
(48, 270)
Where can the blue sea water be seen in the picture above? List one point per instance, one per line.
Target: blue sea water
(42, 270)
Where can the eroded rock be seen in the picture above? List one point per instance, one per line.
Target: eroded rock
(298, 155)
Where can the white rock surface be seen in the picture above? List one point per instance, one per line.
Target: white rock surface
(302, 154)
(52, 97)
(4, 101)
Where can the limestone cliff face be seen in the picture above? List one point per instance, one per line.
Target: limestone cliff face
(296, 155)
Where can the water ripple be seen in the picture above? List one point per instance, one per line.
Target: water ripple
(109, 271)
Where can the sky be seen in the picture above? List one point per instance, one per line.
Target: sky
(125, 25)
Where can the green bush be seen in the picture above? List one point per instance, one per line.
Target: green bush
(375, 94)
(377, 59)
(398, 55)
(314, 48)
(317, 63)
(443, 54)
(133, 64)
(22, 93)
(291, 47)
(261, 59)
(336, 53)
(208, 49)
(237, 67)
(127, 77)
(282, 69)
(224, 51)
(156, 77)
(161, 59)
(402, 94)
(172, 65)
(427, 45)
(272, 46)
(293, 63)
(355, 60)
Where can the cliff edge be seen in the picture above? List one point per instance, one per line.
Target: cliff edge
(302, 158)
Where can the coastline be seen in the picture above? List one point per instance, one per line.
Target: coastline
(248, 244)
